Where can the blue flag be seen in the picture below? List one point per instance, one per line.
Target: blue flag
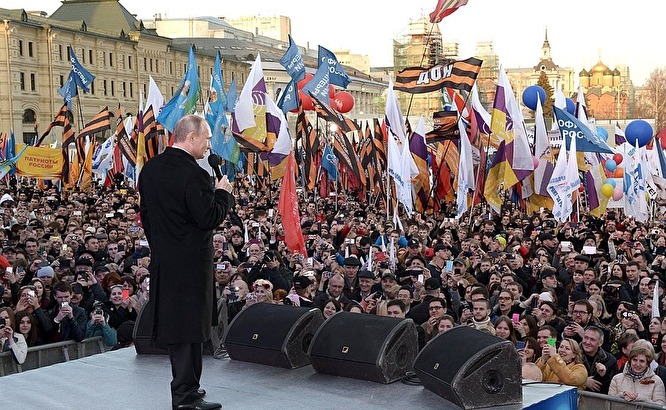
(337, 74)
(218, 98)
(232, 95)
(11, 150)
(289, 98)
(184, 101)
(292, 61)
(586, 141)
(318, 85)
(330, 163)
(69, 90)
(82, 77)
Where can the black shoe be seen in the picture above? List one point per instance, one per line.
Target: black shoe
(201, 393)
(199, 405)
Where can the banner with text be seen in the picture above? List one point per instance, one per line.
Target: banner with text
(40, 162)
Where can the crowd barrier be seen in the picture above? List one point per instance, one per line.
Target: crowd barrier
(596, 401)
(53, 353)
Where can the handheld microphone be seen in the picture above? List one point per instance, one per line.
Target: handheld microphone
(214, 162)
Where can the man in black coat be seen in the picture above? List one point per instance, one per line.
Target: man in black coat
(179, 211)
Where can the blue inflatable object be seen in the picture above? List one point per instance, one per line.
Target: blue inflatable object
(611, 165)
(638, 130)
(602, 133)
(611, 182)
(530, 96)
(571, 106)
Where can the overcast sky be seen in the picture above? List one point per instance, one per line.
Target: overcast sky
(579, 31)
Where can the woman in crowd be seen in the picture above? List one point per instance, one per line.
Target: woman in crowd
(599, 310)
(44, 299)
(637, 382)
(263, 291)
(526, 327)
(504, 329)
(28, 328)
(625, 343)
(654, 331)
(118, 308)
(564, 365)
(9, 340)
(531, 352)
(331, 307)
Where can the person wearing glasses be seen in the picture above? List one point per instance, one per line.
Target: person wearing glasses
(582, 317)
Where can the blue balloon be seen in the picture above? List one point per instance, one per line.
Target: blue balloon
(530, 96)
(611, 165)
(611, 182)
(602, 133)
(571, 106)
(638, 130)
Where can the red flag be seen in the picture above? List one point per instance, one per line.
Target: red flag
(288, 208)
(445, 8)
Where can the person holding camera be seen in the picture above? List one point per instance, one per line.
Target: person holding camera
(69, 322)
(9, 340)
(98, 326)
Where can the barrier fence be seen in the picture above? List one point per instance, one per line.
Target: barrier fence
(595, 401)
(53, 353)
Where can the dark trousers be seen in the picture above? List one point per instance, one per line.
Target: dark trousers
(186, 365)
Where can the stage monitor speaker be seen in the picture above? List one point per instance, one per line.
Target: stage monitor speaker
(471, 368)
(367, 347)
(274, 335)
(142, 334)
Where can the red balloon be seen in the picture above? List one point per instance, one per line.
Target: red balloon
(331, 91)
(343, 102)
(306, 101)
(617, 158)
(304, 81)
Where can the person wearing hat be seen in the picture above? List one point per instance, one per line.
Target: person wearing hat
(366, 280)
(351, 266)
(549, 282)
(419, 313)
(301, 286)
(413, 248)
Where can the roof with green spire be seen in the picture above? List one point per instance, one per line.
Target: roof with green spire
(100, 15)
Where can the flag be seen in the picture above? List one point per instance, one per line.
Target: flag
(151, 133)
(292, 61)
(217, 99)
(154, 98)
(289, 98)
(344, 124)
(459, 75)
(587, 141)
(445, 8)
(10, 150)
(564, 182)
(249, 116)
(102, 158)
(276, 124)
(542, 151)
(419, 152)
(507, 122)
(619, 136)
(184, 101)
(232, 95)
(87, 171)
(288, 208)
(445, 127)
(69, 90)
(311, 148)
(635, 203)
(466, 171)
(494, 179)
(82, 77)
(330, 163)
(594, 178)
(62, 119)
(337, 74)
(483, 121)
(99, 123)
(344, 151)
(9, 165)
(318, 86)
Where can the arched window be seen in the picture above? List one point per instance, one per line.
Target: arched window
(29, 117)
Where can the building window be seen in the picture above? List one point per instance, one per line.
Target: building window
(20, 44)
(29, 117)
(113, 88)
(157, 66)
(30, 49)
(171, 67)
(83, 56)
(124, 89)
(144, 89)
(90, 55)
(22, 81)
(62, 81)
(103, 59)
(131, 90)
(92, 88)
(60, 51)
(69, 57)
(145, 64)
(151, 65)
(33, 84)
(111, 59)
(105, 92)
(129, 62)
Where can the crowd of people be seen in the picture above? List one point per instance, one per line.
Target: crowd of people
(577, 299)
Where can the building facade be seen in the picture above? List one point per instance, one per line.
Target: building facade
(609, 94)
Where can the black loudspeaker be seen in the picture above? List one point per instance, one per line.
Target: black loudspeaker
(471, 368)
(275, 335)
(366, 347)
(143, 329)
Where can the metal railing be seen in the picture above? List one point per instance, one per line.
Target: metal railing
(596, 401)
(52, 353)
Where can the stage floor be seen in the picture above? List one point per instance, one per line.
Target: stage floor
(122, 380)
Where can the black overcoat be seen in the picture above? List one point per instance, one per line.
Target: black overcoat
(179, 211)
